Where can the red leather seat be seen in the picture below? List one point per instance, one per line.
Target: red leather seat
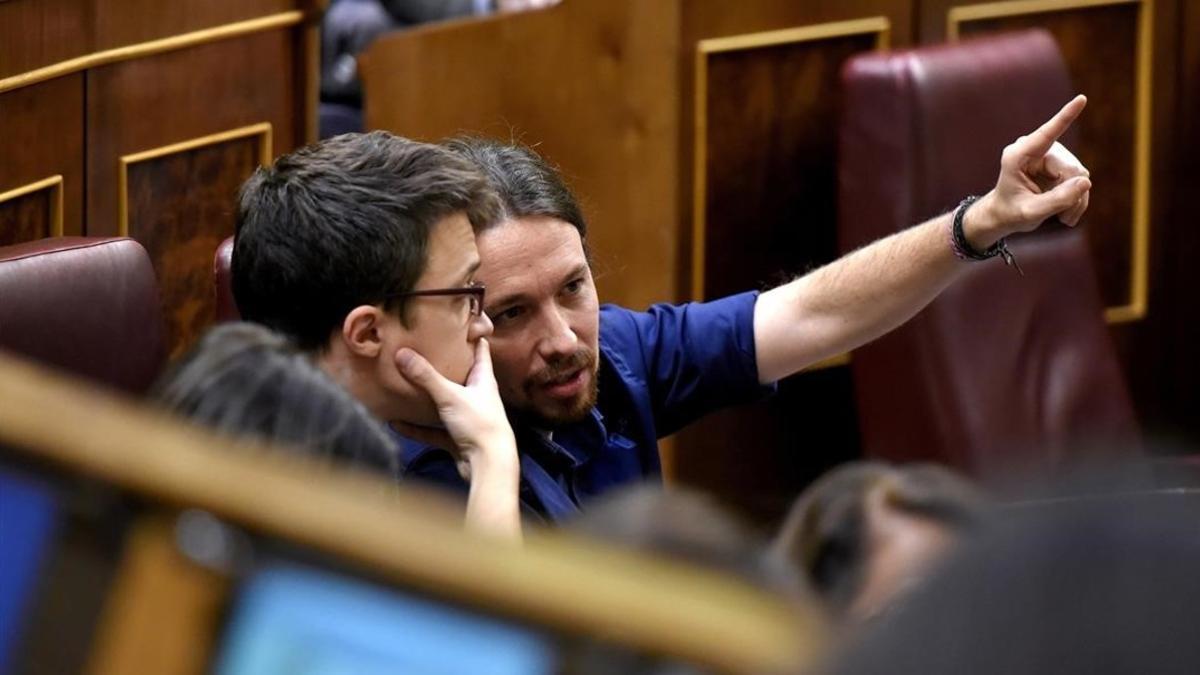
(87, 305)
(1002, 372)
(223, 285)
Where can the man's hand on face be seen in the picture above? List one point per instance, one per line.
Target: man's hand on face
(1039, 179)
(473, 415)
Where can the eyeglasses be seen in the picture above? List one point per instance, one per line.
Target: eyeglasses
(474, 293)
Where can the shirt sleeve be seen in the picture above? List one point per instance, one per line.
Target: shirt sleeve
(693, 358)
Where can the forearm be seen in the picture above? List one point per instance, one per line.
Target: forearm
(493, 505)
(854, 300)
(875, 289)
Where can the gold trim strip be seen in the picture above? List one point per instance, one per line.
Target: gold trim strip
(995, 10)
(54, 183)
(262, 129)
(1139, 284)
(1139, 269)
(821, 31)
(172, 43)
(700, 175)
(880, 26)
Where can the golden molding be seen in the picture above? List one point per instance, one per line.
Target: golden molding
(262, 130)
(53, 183)
(1139, 271)
(878, 26)
(172, 43)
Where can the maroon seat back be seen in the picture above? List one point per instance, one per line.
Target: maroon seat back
(86, 305)
(1002, 372)
(226, 306)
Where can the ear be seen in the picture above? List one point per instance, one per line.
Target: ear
(362, 331)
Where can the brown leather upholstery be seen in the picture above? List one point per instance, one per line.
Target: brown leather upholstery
(1001, 372)
(87, 305)
(226, 306)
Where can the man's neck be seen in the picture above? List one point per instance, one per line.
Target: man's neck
(346, 371)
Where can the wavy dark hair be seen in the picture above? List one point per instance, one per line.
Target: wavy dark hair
(526, 183)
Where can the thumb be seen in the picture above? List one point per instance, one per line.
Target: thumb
(416, 369)
(1061, 198)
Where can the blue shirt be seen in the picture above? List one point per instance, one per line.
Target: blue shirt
(659, 371)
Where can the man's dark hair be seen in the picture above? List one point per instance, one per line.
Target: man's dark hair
(243, 380)
(825, 535)
(344, 223)
(528, 186)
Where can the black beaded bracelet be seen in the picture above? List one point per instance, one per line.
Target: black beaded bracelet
(962, 247)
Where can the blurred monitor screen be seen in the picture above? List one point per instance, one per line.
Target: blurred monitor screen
(28, 517)
(300, 621)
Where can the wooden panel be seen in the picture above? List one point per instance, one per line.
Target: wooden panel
(709, 20)
(40, 33)
(25, 218)
(765, 209)
(592, 83)
(32, 212)
(43, 131)
(177, 201)
(1160, 353)
(1102, 46)
(36, 33)
(757, 458)
(766, 176)
(124, 22)
(181, 205)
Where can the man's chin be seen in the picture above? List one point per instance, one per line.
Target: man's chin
(554, 414)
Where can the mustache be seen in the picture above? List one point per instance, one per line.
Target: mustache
(563, 366)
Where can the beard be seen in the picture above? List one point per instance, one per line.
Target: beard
(552, 414)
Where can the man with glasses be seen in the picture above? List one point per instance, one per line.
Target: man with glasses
(361, 249)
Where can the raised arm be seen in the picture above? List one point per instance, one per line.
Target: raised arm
(873, 290)
(478, 433)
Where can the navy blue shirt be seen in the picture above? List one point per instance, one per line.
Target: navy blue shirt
(659, 370)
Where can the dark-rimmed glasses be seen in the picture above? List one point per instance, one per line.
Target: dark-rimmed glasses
(474, 293)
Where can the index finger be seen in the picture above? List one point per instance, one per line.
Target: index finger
(483, 362)
(1038, 143)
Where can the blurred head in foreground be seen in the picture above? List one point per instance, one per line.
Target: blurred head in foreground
(1095, 586)
(866, 531)
(244, 380)
(686, 527)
